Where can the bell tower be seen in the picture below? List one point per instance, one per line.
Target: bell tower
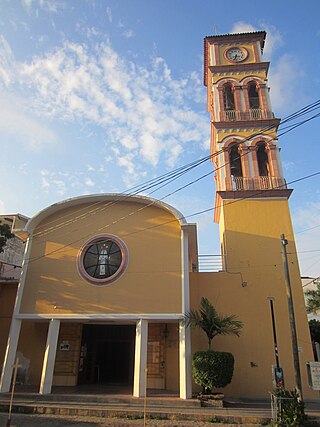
(244, 146)
(251, 205)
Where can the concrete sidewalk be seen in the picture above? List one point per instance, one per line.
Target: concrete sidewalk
(101, 408)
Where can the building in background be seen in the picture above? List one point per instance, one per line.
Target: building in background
(108, 278)
(310, 284)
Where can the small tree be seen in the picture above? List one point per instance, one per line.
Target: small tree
(211, 322)
(313, 299)
(314, 326)
(5, 234)
(212, 369)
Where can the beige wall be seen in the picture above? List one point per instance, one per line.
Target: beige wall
(151, 283)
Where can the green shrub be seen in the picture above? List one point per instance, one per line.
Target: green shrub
(290, 408)
(212, 369)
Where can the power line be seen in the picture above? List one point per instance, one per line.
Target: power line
(170, 177)
(177, 173)
(168, 222)
(308, 229)
(311, 281)
(190, 183)
(303, 252)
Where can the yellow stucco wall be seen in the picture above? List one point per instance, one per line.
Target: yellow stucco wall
(151, 283)
(224, 48)
(238, 76)
(251, 233)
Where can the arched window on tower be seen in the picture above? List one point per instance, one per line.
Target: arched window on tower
(228, 97)
(263, 162)
(264, 167)
(235, 167)
(253, 94)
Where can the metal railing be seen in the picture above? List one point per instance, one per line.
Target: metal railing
(211, 263)
(279, 406)
(252, 114)
(256, 183)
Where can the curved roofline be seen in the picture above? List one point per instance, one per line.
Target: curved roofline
(76, 201)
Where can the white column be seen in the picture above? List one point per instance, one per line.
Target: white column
(184, 333)
(9, 359)
(49, 357)
(140, 359)
(185, 362)
(279, 162)
(15, 327)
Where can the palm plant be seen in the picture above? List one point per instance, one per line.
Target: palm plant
(212, 322)
(212, 369)
(313, 299)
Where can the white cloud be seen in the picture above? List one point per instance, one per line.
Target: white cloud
(285, 73)
(307, 226)
(15, 121)
(27, 3)
(273, 39)
(52, 182)
(140, 114)
(173, 155)
(242, 27)
(128, 34)
(288, 165)
(88, 182)
(60, 186)
(131, 174)
(7, 63)
(2, 207)
(283, 77)
(51, 6)
(109, 14)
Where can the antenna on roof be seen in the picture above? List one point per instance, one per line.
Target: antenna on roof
(215, 29)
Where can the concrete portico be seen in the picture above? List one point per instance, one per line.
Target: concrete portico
(170, 324)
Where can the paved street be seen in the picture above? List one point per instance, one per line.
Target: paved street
(18, 420)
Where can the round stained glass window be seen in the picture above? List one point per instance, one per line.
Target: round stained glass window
(102, 259)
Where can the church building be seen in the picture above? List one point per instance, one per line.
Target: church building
(106, 279)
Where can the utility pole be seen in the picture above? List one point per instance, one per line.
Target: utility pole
(278, 371)
(293, 330)
(275, 343)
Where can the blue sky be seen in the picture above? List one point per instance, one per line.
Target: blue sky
(97, 96)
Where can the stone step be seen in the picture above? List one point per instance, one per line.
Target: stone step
(171, 402)
(111, 410)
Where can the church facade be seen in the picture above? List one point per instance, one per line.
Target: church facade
(107, 279)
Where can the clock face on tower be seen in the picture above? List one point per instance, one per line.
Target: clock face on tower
(236, 54)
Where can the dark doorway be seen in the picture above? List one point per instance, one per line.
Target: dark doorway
(107, 355)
